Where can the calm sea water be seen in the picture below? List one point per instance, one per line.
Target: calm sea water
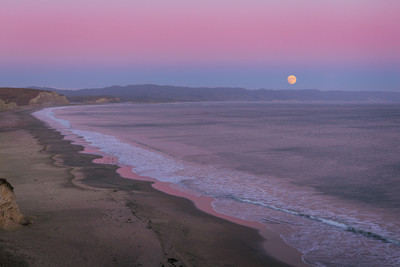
(326, 177)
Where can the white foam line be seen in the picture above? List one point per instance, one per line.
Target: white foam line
(325, 221)
(145, 160)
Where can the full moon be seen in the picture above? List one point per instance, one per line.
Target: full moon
(292, 79)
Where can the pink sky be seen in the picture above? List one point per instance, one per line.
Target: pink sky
(234, 31)
(182, 33)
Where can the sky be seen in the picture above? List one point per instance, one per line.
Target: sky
(327, 45)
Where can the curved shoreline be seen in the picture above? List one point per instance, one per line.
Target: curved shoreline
(87, 214)
(278, 248)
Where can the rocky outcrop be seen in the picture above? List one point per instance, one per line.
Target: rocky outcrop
(49, 99)
(7, 106)
(106, 99)
(10, 216)
(11, 98)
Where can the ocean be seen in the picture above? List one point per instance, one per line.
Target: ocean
(326, 177)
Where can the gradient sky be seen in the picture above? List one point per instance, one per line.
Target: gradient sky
(328, 45)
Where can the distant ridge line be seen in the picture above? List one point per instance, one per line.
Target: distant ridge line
(167, 93)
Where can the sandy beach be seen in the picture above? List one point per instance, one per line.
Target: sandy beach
(86, 214)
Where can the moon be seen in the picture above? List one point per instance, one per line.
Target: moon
(291, 79)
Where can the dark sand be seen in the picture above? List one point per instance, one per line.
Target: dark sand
(85, 214)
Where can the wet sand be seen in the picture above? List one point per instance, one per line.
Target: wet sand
(86, 214)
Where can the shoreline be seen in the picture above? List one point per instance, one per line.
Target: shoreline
(148, 222)
(278, 248)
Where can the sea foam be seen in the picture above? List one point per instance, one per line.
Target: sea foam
(246, 196)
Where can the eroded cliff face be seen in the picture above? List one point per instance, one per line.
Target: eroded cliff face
(49, 99)
(7, 106)
(11, 98)
(105, 99)
(10, 216)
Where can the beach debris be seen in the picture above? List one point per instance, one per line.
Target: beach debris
(10, 216)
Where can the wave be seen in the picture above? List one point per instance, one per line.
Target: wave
(49, 113)
(329, 222)
(273, 194)
(144, 162)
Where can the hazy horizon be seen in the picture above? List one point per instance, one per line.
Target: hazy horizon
(186, 86)
(327, 45)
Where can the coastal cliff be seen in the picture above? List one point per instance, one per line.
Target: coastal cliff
(12, 98)
(49, 99)
(102, 100)
(10, 216)
(7, 106)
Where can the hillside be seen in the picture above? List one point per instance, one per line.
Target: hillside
(11, 98)
(164, 93)
(20, 96)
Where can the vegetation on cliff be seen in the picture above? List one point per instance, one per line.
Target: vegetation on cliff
(11, 98)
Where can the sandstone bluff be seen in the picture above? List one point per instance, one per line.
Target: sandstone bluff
(10, 216)
(12, 98)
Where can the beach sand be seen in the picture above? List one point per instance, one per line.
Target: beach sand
(86, 214)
